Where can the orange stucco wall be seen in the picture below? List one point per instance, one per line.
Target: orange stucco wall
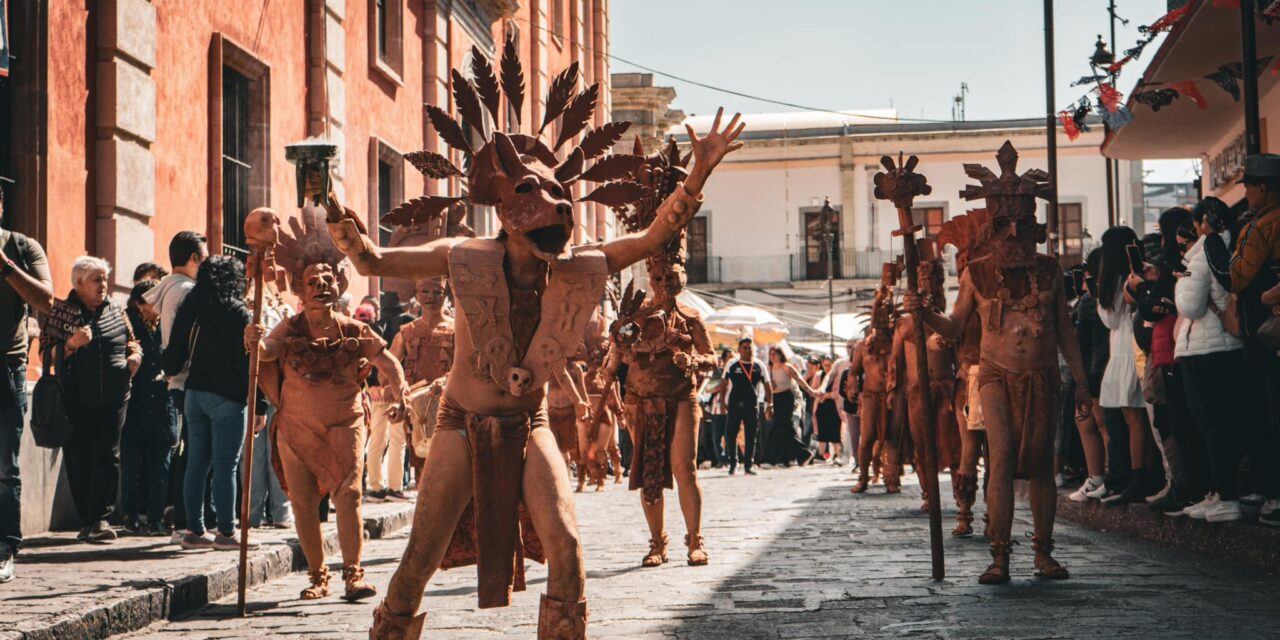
(66, 169)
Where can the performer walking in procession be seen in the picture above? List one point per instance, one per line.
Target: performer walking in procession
(524, 299)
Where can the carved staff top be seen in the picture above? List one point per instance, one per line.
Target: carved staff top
(900, 183)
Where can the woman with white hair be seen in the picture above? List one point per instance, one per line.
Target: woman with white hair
(97, 360)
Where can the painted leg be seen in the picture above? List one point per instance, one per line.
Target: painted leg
(684, 456)
(563, 614)
(443, 494)
(1003, 463)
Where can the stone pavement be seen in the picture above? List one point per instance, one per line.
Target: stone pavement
(794, 555)
(67, 590)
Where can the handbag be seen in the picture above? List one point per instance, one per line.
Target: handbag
(50, 426)
(1229, 317)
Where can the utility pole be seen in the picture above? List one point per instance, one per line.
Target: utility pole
(1051, 128)
(1249, 66)
(829, 230)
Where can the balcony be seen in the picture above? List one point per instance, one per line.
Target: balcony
(850, 265)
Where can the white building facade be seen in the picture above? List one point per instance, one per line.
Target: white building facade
(760, 225)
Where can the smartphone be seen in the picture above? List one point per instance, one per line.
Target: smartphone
(1077, 279)
(1135, 258)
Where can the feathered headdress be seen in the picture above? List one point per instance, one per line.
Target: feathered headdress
(480, 101)
(308, 242)
(651, 180)
(1009, 194)
(964, 233)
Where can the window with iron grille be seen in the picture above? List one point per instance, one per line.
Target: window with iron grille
(237, 162)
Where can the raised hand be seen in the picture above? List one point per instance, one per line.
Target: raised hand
(709, 150)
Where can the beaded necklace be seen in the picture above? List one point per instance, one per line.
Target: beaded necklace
(1028, 304)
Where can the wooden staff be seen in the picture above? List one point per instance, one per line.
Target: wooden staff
(901, 184)
(262, 228)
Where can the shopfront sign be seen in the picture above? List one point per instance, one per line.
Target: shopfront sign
(1227, 165)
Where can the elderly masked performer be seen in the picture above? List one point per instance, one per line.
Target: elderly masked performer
(1018, 295)
(524, 298)
(314, 368)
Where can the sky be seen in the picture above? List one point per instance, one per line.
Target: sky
(912, 55)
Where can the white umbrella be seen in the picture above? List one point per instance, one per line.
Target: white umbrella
(848, 326)
(738, 316)
(736, 320)
(695, 301)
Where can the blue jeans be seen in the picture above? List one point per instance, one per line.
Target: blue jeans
(266, 495)
(215, 436)
(11, 426)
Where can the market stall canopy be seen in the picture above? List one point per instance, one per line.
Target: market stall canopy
(848, 326)
(1196, 47)
(730, 323)
(695, 301)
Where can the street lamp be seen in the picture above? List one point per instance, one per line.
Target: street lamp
(830, 225)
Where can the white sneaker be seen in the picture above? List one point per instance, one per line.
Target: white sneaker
(1086, 490)
(1269, 506)
(177, 536)
(1197, 510)
(1225, 511)
(1159, 496)
(1098, 492)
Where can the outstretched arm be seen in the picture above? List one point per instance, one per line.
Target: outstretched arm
(411, 263)
(676, 211)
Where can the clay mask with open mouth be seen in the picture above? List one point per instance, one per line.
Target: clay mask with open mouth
(550, 241)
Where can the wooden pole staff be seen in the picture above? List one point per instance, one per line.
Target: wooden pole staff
(262, 228)
(901, 184)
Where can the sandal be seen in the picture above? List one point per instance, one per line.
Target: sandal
(998, 572)
(1046, 566)
(697, 554)
(389, 626)
(357, 588)
(860, 486)
(319, 584)
(657, 552)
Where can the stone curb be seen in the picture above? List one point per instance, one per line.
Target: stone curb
(1244, 543)
(166, 600)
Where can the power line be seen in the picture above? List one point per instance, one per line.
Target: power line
(732, 92)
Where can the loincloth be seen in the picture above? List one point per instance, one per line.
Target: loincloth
(494, 532)
(946, 436)
(1032, 398)
(564, 426)
(653, 426)
(333, 454)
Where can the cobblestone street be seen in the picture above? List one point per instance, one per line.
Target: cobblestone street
(794, 555)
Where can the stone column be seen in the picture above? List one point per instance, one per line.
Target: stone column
(849, 196)
(125, 168)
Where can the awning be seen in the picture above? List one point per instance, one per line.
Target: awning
(1207, 38)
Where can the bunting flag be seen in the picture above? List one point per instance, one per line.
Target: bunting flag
(1189, 89)
(1069, 125)
(1165, 23)
(1225, 77)
(1116, 119)
(1109, 97)
(1157, 99)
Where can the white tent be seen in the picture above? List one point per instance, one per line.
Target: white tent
(848, 326)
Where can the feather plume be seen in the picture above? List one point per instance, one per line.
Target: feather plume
(559, 95)
(513, 77)
(431, 164)
(531, 146)
(419, 210)
(571, 168)
(464, 96)
(618, 194)
(486, 82)
(448, 129)
(578, 114)
(597, 142)
(614, 167)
